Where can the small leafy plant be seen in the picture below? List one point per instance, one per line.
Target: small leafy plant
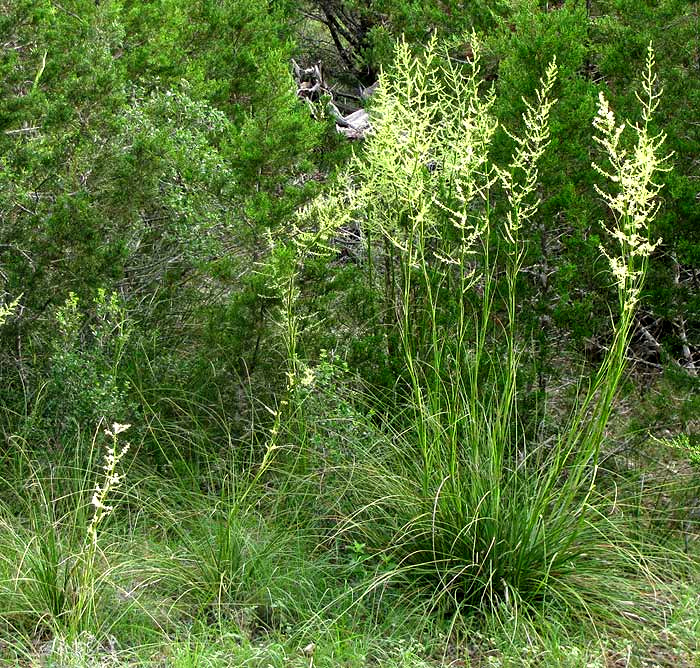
(86, 358)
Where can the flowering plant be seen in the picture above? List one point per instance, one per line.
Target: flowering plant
(111, 479)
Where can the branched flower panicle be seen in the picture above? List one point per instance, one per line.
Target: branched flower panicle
(520, 178)
(318, 223)
(634, 202)
(392, 175)
(465, 136)
(427, 157)
(110, 478)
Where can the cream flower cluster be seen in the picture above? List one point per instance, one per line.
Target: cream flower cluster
(520, 179)
(634, 203)
(111, 479)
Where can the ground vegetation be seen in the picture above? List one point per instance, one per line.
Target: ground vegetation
(279, 391)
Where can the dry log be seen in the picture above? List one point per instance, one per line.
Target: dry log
(353, 126)
(311, 87)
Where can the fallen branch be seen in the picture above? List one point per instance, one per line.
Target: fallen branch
(23, 130)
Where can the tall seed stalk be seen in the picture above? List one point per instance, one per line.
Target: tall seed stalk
(633, 202)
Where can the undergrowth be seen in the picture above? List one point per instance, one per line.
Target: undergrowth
(349, 527)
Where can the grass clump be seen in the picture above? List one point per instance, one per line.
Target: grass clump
(54, 575)
(471, 512)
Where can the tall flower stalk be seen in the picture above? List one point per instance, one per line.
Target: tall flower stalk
(85, 564)
(632, 197)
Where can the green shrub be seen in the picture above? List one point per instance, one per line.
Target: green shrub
(86, 378)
